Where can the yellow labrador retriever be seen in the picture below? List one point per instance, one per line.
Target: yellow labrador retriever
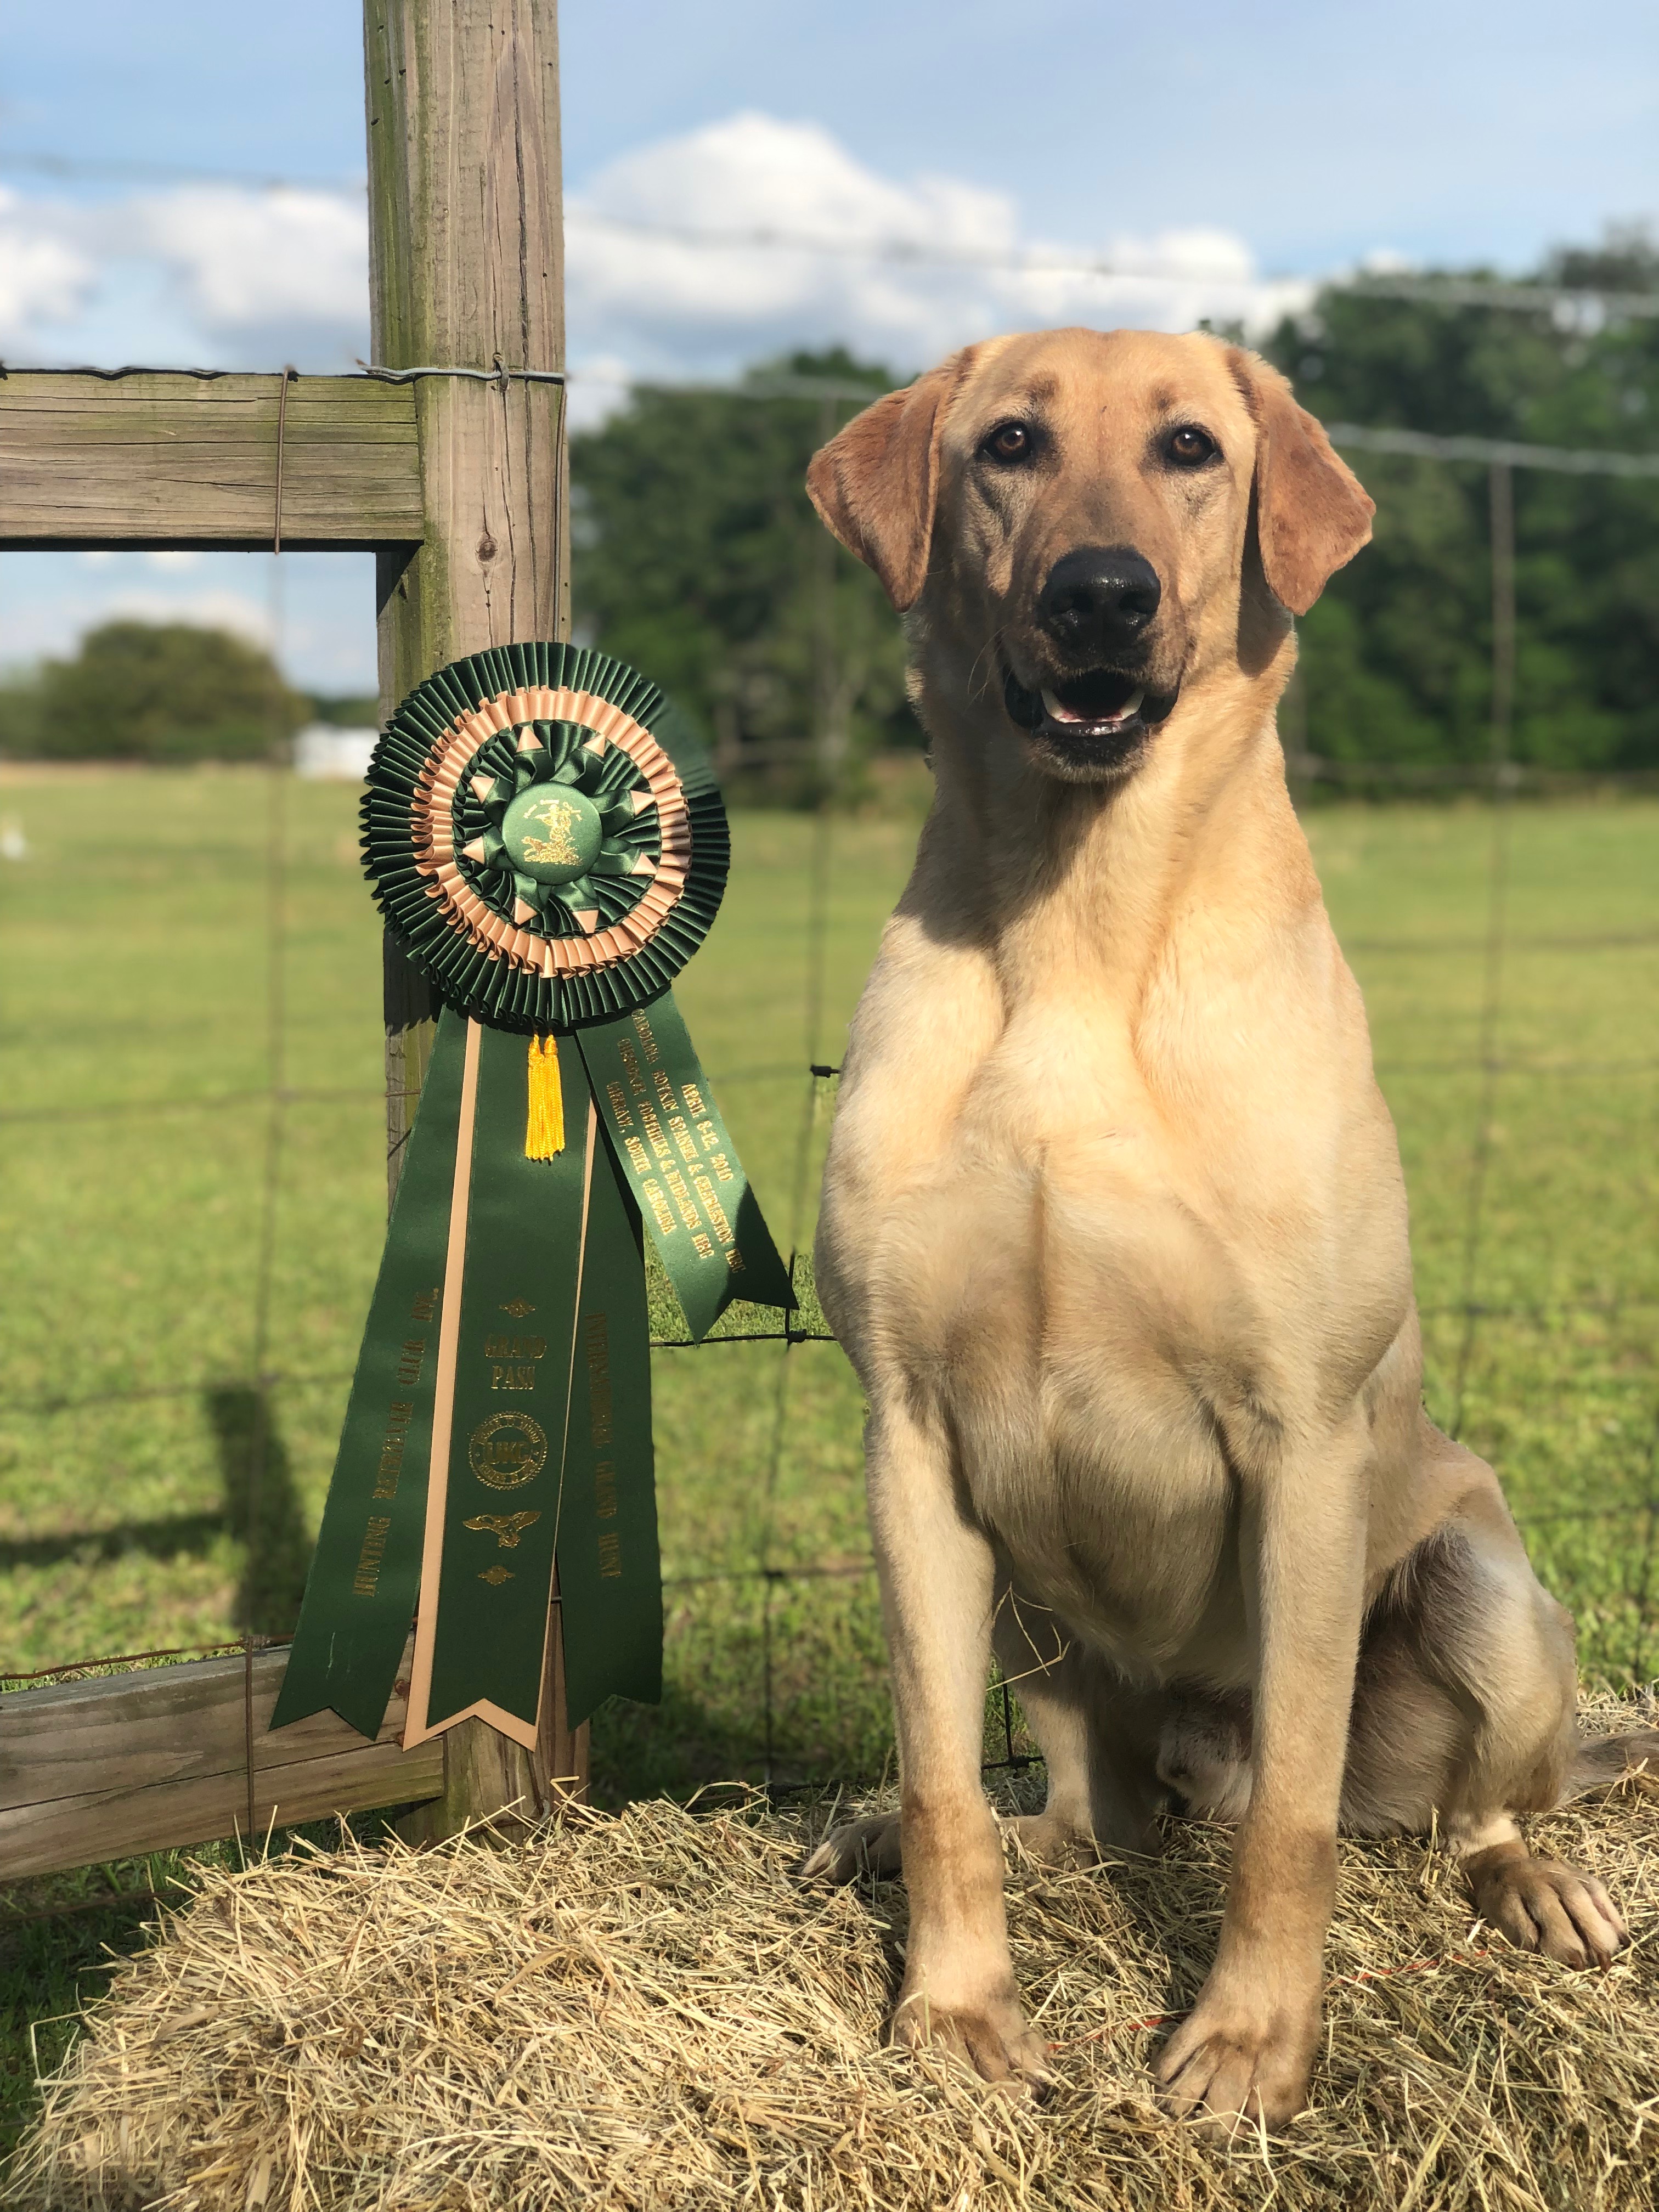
(1113, 1230)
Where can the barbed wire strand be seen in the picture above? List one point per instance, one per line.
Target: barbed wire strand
(1470, 292)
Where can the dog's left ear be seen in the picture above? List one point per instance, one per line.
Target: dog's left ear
(875, 483)
(1312, 513)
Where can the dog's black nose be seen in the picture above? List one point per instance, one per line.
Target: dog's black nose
(1101, 597)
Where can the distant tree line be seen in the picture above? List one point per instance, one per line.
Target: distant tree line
(167, 693)
(160, 692)
(699, 557)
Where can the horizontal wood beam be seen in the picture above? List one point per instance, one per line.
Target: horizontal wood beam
(157, 1760)
(154, 459)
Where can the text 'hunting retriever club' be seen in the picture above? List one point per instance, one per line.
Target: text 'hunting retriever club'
(1114, 1232)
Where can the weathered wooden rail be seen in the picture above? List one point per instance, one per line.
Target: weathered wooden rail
(176, 1755)
(155, 459)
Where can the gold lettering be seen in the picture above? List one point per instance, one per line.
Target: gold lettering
(515, 1347)
(368, 1559)
(639, 1159)
(694, 1105)
(410, 1359)
(688, 1213)
(646, 1036)
(597, 1351)
(398, 1416)
(609, 1556)
(684, 1140)
(604, 1491)
(705, 1244)
(620, 1113)
(661, 1208)
(630, 1061)
(659, 1144)
(426, 1305)
(510, 1376)
(713, 1207)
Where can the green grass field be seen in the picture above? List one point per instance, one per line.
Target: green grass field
(133, 1009)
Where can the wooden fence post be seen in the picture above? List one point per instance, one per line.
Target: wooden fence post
(466, 270)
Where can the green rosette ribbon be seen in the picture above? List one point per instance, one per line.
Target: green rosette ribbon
(547, 842)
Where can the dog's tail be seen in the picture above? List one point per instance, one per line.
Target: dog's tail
(1615, 1762)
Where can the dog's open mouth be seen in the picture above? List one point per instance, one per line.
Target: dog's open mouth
(1100, 714)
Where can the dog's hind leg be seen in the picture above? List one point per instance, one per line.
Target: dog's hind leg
(1097, 1736)
(1464, 1712)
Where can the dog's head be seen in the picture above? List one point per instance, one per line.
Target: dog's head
(1094, 520)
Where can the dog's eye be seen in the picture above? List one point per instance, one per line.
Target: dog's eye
(1009, 442)
(1189, 448)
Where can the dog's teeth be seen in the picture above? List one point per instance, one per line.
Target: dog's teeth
(1057, 713)
(1131, 704)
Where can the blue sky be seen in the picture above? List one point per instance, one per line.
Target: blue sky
(1212, 148)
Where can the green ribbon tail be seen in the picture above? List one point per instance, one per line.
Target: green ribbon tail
(678, 1163)
(609, 1569)
(365, 1574)
(484, 1627)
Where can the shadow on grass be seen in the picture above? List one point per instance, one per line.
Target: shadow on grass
(262, 1508)
(670, 1750)
(165, 1539)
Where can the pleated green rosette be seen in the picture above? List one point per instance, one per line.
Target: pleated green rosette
(546, 840)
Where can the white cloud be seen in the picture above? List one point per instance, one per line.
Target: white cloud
(207, 275)
(245, 261)
(664, 304)
(43, 276)
(224, 276)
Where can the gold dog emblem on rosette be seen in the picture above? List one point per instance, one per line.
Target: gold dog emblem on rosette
(547, 844)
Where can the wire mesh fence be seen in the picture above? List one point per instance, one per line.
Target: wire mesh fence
(195, 1132)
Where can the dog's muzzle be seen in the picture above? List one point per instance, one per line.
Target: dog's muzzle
(1097, 720)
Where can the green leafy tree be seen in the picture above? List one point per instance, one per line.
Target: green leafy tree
(1396, 655)
(162, 692)
(698, 557)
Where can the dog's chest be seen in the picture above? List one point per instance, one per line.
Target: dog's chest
(1069, 1315)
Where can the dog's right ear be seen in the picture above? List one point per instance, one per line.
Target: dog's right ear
(876, 482)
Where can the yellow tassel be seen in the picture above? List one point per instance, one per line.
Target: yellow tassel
(544, 1134)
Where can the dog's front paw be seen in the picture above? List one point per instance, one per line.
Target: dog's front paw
(1230, 2067)
(867, 1849)
(988, 2033)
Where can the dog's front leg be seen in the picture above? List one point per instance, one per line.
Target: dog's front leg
(1246, 2050)
(936, 1580)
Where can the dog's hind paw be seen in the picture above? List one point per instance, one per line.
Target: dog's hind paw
(1050, 1841)
(1541, 1905)
(868, 1849)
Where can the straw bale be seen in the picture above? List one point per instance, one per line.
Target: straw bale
(647, 2010)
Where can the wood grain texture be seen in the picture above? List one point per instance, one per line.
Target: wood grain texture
(158, 1759)
(466, 228)
(160, 460)
(465, 269)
